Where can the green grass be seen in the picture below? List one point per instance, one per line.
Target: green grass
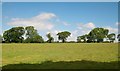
(57, 53)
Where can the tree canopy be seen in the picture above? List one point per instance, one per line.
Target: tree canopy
(50, 38)
(118, 36)
(63, 35)
(111, 37)
(98, 34)
(82, 38)
(32, 36)
(14, 34)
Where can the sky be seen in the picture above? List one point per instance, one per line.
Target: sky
(0, 18)
(77, 17)
(60, 0)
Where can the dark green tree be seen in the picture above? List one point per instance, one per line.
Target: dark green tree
(63, 36)
(82, 38)
(111, 37)
(14, 34)
(32, 36)
(97, 34)
(118, 36)
(50, 38)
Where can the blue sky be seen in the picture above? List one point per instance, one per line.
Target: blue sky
(0, 18)
(60, 0)
(77, 17)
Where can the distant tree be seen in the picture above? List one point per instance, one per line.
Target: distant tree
(32, 36)
(14, 34)
(0, 39)
(50, 38)
(111, 37)
(63, 35)
(97, 34)
(82, 38)
(38, 39)
(90, 38)
(78, 39)
(118, 36)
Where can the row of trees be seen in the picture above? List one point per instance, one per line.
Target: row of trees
(98, 35)
(29, 35)
(17, 34)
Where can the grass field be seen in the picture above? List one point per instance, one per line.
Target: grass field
(60, 55)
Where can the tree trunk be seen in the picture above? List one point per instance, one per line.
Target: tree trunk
(63, 40)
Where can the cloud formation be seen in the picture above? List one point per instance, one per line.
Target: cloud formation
(40, 22)
(118, 23)
(112, 30)
(85, 28)
(66, 24)
(89, 25)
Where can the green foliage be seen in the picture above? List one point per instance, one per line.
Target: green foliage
(14, 34)
(111, 37)
(32, 35)
(50, 38)
(118, 36)
(63, 35)
(35, 39)
(30, 31)
(82, 38)
(0, 39)
(97, 34)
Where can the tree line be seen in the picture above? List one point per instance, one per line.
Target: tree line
(30, 35)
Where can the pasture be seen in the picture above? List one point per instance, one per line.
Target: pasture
(60, 56)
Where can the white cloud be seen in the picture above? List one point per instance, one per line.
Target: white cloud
(73, 36)
(112, 30)
(89, 25)
(85, 28)
(40, 22)
(44, 16)
(66, 24)
(62, 22)
(57, 20)
(117, 23)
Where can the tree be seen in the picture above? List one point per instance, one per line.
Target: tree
(97, 34)
(82, 38)
(14, 34)
(118, 36)
(63, 35)
(32, 36)
(0, 39)
(111, 37)
(38, 39)
(50, 39)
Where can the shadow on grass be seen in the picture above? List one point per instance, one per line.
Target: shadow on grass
(66, 65)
